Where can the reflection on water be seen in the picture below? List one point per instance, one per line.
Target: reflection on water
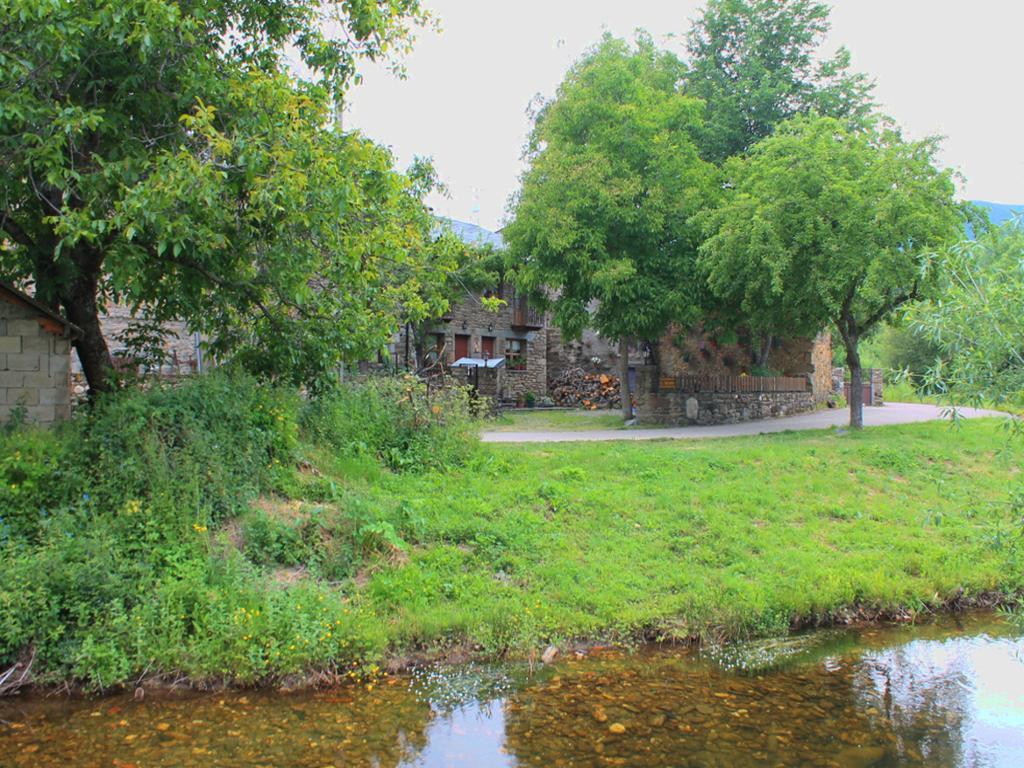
(947, 694)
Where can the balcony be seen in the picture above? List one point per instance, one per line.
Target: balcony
(525, 316)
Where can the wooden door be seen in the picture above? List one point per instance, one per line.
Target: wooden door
(487, 347)
(461, 346)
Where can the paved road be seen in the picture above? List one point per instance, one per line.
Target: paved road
(891, 413)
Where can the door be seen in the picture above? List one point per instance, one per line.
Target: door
(487, 347)
(461, 346)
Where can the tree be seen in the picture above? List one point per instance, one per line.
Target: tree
(754, 64)
(977, 320)
(602, 219)
(828, 224)
(157, 153)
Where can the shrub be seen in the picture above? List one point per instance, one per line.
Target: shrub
(399, 420)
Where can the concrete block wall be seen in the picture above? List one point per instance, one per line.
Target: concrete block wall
(35, 366)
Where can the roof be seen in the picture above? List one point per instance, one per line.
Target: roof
(479, 362)
(474, 234)
(12, 295)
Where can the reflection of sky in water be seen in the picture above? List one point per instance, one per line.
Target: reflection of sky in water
(471, 735)
(975, 685)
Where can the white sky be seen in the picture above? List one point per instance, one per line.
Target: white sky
(946, 67)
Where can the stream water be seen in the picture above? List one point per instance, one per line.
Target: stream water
(949, 693)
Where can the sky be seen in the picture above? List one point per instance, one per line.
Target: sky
(941, 67)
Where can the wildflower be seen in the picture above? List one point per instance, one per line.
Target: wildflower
(199, 528)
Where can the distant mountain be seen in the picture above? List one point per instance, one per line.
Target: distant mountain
(1000, 212)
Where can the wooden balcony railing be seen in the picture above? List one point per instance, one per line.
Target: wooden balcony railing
(525, 316)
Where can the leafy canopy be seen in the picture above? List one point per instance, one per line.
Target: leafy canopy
(826, 224)
(614, 177)
(159, 154)
(754, 63)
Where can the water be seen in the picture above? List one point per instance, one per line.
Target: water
(944, 694)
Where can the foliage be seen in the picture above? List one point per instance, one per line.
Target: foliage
(402, 421)
(159, 154)
(614, 175)
(517, 547)
(755, 64)
(830, 224)
(977, 320)
(907, 353)
(116, 548)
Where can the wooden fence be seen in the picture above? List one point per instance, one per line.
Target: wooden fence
(735, 384)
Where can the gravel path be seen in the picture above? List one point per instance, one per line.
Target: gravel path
(891, 413)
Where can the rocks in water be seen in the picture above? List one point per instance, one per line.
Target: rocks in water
(616, 728)
(861, 757)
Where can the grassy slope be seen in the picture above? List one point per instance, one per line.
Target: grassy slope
(734, 536)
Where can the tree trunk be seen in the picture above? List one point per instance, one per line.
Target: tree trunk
(856, 383)
(764, 349)
(624, 389)
(82, 310)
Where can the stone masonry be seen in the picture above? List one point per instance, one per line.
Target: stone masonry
(470, 330)
(667, 407)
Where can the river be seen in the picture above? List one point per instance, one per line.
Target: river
(944, 693)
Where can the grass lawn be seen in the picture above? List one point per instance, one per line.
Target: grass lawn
(728, 537)
(554, 421)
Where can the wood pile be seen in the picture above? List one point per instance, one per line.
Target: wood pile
(575, 388)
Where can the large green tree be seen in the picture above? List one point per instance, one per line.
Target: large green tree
(601, 226)
(756, 63)
(825, 224)
(158, 153)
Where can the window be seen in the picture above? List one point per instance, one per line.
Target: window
(515, 354)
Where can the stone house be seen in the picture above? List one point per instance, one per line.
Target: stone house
(35, 359)
(516, 332)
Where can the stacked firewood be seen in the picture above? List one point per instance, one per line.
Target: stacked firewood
(575, 388)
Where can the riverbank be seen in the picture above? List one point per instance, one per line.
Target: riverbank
(889, 695)
(310, 553)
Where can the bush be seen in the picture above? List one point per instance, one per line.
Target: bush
(101, 513)
(399, 420)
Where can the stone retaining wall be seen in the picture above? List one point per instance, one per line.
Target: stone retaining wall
(668, 407)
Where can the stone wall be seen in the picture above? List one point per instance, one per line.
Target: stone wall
(658, 404)
(34, 367)
(877, 386)
(592, 352)
(698, 352)
(821, 363)
(182, 357)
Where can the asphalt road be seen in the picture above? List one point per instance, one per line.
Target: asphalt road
(891, 413)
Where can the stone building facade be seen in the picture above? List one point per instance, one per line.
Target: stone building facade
(35, 359)
(515, 332)
(181, 349)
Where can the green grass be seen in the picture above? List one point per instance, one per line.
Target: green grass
(225, 530)
(554, 421)
(730, 537)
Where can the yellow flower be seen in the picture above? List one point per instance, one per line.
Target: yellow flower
(199, 528)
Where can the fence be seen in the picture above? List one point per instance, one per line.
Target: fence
(734, 384)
